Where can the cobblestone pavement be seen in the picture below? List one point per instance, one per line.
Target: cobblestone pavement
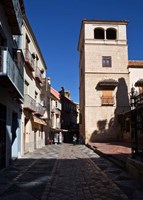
(132, 188)
(65, 172)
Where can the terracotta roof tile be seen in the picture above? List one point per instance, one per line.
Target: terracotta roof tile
(135, 63)
(55, 93)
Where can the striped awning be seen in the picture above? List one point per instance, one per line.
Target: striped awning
(58, 130)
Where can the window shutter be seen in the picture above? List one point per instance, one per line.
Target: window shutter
(107, 97)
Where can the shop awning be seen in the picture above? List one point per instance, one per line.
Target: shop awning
(39, 121)
(58, 130)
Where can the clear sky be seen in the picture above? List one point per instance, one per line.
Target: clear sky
(56, 25)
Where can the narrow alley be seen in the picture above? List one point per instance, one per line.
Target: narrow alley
(66, 172)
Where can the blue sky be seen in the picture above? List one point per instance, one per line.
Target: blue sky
(56, 25)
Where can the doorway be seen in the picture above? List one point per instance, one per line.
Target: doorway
(2, 136)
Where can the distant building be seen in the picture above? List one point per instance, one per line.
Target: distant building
(104, 79)
(55, 124)
(132, 120)
(135, 68)
(45, 101)
(11, 80)
(68, 115)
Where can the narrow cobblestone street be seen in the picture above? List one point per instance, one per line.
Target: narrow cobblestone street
(65, 172)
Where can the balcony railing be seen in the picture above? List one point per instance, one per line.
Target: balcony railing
(29, 103)
(107, 101)
(29, 59)
(38, 74)
(11, 69)
(40, 110)
(18, 12)
(14, 15)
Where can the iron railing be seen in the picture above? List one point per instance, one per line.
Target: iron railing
(18, 12)
(138, 100)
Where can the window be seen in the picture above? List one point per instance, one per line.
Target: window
(37, 61)
(27, 42)
(111, 34)
(106, 61)
(99, 33)
(36, 95)
(107, 98)
(14, 125)
(56, 104)
(26, 87)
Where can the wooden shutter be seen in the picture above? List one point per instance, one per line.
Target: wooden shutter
(107, 97)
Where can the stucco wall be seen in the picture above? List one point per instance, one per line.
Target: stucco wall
(101, 122)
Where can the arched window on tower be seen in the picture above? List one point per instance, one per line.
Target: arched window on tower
(111, 34)
(99, 33)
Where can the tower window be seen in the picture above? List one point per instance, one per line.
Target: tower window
(111, 34)
(99, 33)
(106, 61)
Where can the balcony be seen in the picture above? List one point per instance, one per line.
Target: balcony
(11, 72)
(55, 110)
(29, 59)
(14, 15)
(29, 103)
(38, 74)
(40, 110)
(107, 101)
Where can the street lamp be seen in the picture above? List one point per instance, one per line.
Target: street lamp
(133, 98)
(134, 143)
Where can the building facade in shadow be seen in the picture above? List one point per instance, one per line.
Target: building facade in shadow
(11, 79)
(69, 116)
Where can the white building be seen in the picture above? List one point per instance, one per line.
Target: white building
(34, 78)
(135, 68)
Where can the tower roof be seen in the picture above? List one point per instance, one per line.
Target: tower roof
(105, 21)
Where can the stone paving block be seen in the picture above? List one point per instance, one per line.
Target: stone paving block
(61, 172)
